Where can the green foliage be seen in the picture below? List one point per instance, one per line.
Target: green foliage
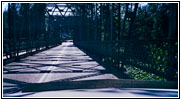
(152, 21)
(139, 74)
(159, 56)
(156, 59)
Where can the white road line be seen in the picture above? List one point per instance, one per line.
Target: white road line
(50, 68)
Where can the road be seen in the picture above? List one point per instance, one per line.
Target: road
(64, 63)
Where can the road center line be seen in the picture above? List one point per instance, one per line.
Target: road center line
(50, 68)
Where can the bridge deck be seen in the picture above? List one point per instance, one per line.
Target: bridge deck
(59, 64)
(64, 62)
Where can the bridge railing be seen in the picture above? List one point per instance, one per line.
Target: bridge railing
(12, 49)
(149, 55)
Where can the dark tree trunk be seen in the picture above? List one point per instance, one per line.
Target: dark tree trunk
(130, 35)
(124, 21)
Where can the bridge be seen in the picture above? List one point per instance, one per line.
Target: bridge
(89, 50)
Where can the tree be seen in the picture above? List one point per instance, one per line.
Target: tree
(133, 16)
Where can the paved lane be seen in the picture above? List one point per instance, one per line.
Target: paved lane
(62, 63)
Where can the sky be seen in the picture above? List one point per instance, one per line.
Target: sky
(4, 6)
(143, 4)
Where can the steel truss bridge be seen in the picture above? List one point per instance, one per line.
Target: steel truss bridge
(98, 51)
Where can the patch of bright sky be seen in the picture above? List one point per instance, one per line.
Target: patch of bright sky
(143, 4)
(5, 6)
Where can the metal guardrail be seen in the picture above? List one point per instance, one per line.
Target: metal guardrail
(13, 48)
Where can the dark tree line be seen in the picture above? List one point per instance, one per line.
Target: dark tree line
(26, 26)
(24, 21)
(125, 20)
